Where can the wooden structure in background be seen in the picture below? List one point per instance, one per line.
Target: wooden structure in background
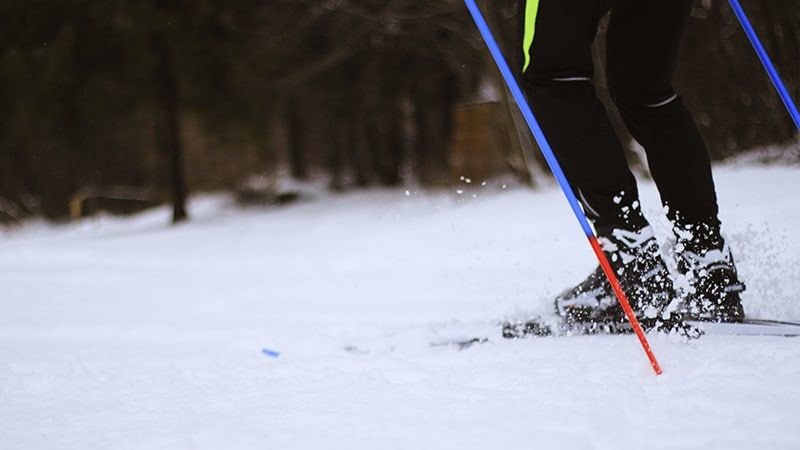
(480, 145)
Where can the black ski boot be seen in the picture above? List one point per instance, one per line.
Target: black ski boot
(714, 289)
(592, 307)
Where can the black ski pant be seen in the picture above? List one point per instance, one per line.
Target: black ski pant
(642, 46)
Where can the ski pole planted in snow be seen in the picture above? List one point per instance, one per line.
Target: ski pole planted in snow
(547, 151)
(766, 61)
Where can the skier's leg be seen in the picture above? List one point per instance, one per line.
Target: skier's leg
(557, 78)
(642, 46)
(642, 50)
(558, 81)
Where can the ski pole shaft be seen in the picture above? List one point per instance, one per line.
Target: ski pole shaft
(766, 62)
(555, 167)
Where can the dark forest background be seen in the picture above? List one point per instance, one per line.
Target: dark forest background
(123, 104)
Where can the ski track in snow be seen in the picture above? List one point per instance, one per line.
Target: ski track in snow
(129, 334)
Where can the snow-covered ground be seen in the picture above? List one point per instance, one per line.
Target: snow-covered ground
(133, 334)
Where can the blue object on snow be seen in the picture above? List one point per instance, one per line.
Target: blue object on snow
(770, 68)
(271, 353)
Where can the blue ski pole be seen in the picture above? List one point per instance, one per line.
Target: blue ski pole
(766, 61)
(555, 167)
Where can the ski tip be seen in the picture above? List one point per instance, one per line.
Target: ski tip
(460, 344)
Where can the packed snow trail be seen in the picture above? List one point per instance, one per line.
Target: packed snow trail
(127, 333)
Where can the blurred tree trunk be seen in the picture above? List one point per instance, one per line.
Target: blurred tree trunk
(358, 152)
(340, 141)
(296, 131)
(167, 92)
(395, 145)
(385, 136)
